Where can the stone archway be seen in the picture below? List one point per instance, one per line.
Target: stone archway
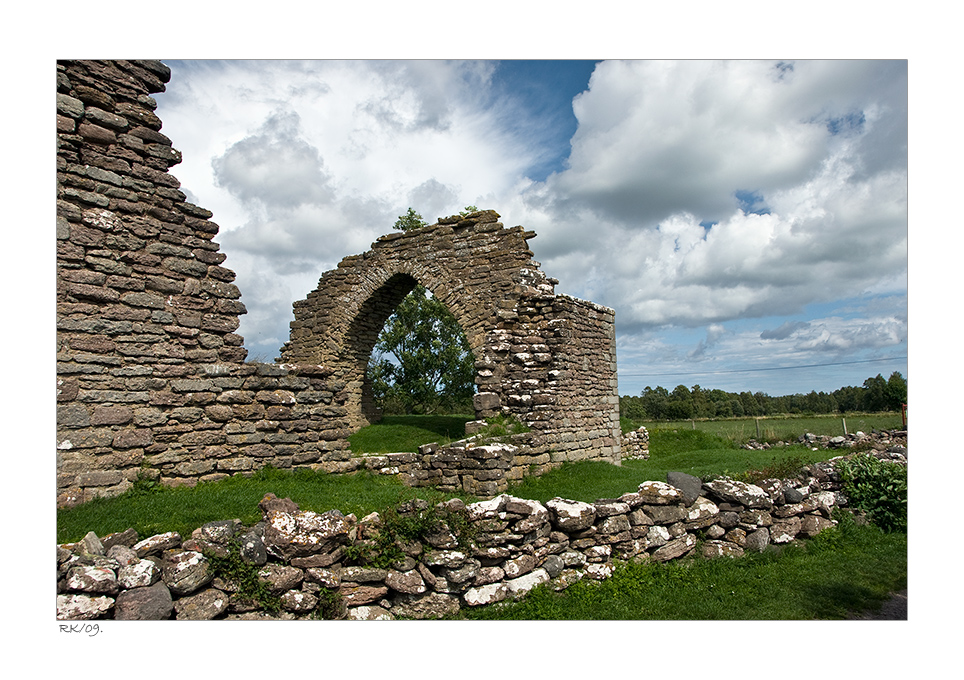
(548, 359)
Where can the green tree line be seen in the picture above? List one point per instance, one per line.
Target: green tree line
(876, 394)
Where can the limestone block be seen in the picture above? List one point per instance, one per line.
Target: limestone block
(517, 587)
(485, 594)
(78, 607)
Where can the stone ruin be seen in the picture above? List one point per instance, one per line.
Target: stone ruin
(151, 377)
(152, 382)
(548, 359)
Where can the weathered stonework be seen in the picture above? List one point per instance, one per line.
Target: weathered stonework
(509, 546)
(548, 359)
(150, 373)
(151, 379)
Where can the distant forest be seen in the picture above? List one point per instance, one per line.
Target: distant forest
(876, 394)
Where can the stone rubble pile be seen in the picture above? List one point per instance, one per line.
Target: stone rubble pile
(877, 442)
(313, 563)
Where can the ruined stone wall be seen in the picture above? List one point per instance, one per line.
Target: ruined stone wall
(560, 376)
(151, 379)
(473, 265)
(150, 374)
(505, 547)
(548, 359)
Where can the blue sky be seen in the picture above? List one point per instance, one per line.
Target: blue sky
(545, 89)
(747, 220)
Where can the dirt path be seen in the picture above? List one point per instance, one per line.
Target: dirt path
(894, 609)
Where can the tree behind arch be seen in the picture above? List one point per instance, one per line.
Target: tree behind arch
(422, 362)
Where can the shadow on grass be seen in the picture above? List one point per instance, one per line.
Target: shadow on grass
(837, 599)
(452, 427)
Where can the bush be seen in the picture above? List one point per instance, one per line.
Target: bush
(421, 520)
(877, 487)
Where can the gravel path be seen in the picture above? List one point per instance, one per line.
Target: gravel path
(894, 609)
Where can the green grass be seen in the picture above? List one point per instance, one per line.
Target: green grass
(184, 509)
(698, 453)
(395, 434)
(407, 433)
(846, 569)
(850, 568)
(776, 428)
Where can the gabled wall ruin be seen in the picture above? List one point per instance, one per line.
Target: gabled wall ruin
(548, 359)
(151, 379)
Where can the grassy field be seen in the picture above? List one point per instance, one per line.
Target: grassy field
(711, 449)
(183, 509)
(407, 433)
(396, 434)
(850, 568)
(776, 428)
(154, 509)
(698, 453)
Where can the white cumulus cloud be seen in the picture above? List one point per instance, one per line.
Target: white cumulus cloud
(665, 156)
(695, 195)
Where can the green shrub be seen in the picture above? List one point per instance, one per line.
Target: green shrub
(384, 549)
(145, 485)
(877, 487)
(331, 605)
(245, 576)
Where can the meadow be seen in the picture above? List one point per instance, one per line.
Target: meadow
(846, 569)
(396, 434)
(700, 448)
(776, 428)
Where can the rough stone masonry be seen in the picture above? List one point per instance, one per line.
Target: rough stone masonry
(151, 376)
(507, 546)
(548, 359)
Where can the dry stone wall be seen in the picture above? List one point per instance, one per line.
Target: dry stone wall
(472, 466)
(151, 379)
(324, 565)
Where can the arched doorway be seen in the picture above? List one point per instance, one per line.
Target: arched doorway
(548, 359)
